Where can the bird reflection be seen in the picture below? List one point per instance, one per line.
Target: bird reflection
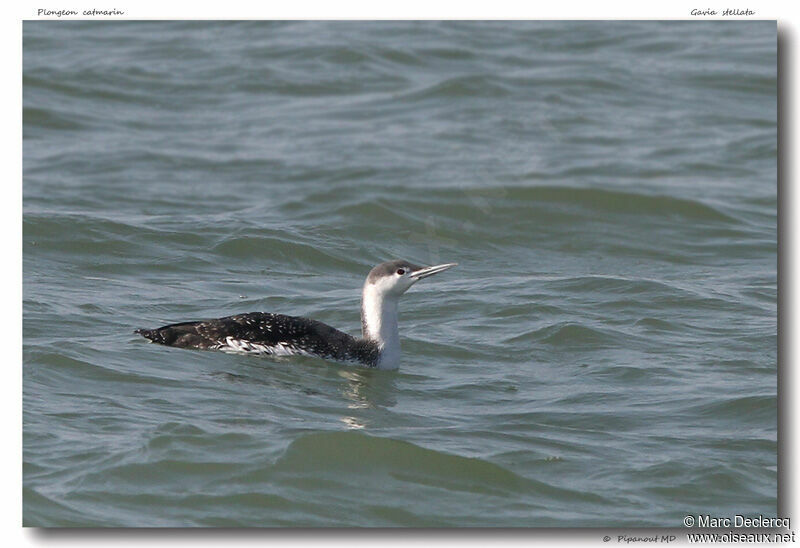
(367, 388)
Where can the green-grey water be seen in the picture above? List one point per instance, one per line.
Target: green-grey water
(604, 355)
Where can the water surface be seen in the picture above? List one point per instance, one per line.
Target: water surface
(604, 355)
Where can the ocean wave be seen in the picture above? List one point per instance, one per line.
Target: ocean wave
(753, 408)
(337, 454)
(469, 86)
(280, 249)
(72, 368)
(615, 201)
(573, 335)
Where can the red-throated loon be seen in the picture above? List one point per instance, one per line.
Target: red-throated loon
(276, 334)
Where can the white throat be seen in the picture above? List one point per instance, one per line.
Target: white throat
(379, 324)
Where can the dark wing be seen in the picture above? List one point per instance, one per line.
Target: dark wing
(267, 333)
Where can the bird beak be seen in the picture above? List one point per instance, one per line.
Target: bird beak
(430, 270)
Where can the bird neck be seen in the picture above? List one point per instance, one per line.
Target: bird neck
(379, 325)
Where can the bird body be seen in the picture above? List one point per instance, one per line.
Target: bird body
(264, 333)
(281, 335)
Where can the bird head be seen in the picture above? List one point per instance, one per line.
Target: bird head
(393, 278)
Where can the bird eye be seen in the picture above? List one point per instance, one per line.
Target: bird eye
(401, 271)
